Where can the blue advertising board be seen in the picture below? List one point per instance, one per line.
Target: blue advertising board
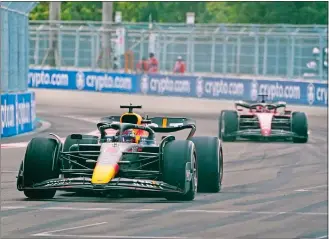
(17, 113)
(82, 80)
(8, 115)
(186, 86)
(217, 88)
(292, 92)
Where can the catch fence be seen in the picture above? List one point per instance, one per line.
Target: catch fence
(14, 45)
(285, 51)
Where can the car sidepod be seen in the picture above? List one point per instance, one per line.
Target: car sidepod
(67, 147)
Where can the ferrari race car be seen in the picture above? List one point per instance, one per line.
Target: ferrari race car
(263, 121)
(129, 160)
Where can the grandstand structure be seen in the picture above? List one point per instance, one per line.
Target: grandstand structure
(225, 49)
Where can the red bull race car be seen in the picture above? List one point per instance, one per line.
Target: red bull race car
(127, 160)
(261, 121)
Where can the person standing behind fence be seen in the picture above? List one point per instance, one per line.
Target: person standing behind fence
(153, 64)
(143, 65)
(179, 65)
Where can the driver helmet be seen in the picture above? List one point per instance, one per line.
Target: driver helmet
(129, 136)
(259, 108)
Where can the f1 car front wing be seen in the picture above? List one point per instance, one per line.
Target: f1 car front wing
(116, 184)
(257, 133)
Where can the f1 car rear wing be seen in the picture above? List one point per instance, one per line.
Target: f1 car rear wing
(158, 121)
(252, 105)
(111, 119)
(172, 124)
(160, 124)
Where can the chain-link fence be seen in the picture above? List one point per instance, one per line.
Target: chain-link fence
(14, 45)
(227, 49)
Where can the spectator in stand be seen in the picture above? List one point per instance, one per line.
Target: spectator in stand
(115, 63)
(143, 65)
(153, 64)
(314, 65)
(179, 66)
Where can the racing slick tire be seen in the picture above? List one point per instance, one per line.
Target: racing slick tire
(209, 154)
(228, 124)
(69, 142)
(40, 165)
(299, 126)
(179, 158)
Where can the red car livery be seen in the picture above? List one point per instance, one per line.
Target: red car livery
(263, 121)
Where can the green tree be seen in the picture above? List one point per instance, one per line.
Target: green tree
(269, 12)
(206, 12)
(40, 12)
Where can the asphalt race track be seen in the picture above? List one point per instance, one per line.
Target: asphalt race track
(271, 190)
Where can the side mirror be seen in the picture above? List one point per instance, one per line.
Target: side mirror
(76, 136)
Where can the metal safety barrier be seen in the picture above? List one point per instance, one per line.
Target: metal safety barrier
(17, 104)
(284, 51)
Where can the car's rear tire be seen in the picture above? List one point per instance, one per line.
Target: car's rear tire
(210, 164)
(299, 126)
(86, 139)
(40, 165)
(179, 158)
(228, 124)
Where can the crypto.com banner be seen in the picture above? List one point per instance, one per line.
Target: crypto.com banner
(17, 113)
(290, 91)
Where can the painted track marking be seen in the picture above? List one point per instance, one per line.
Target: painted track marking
(310, 188)
(215, 211)
(9, 171)
(24, 144)
(107, 236)
(48, 233)
(81, 118)
(326, 236)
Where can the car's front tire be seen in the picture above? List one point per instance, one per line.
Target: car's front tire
(179, 161)
(40, 164)
(228, 124)
(299, 126)
(210, 164)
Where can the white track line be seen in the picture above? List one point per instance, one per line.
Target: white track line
(322, 237)
(178, 211)
(12, 207)
(81, 118)
(99, 209)
(69, 228)
(106, 236)
(9, 171)
(77, 209)
(310, 188)
(24, 144)
(253, 212)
